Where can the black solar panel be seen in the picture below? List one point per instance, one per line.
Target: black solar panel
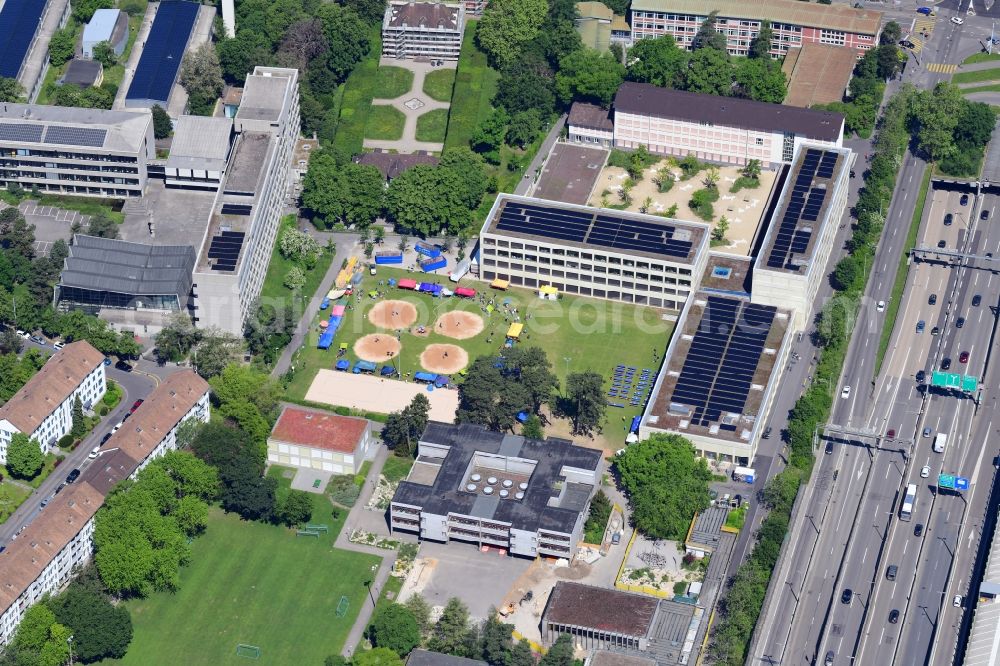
(225, 250)
(722, 359)
(163, 52)
(75, 136)
(804, 205)
(19, 20)
(23, 133)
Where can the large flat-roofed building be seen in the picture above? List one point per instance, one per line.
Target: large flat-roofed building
(199, 152)
(792, 260)
(793, 23)
(25, 29)
(983, 647)
(83, 152)
(620, 256)
(718, 129)
(162, 54)
(722, 367)
(59, 541)
(43, 408)
(526, 496)
(115, 279)
(423, 30)
(235, 251)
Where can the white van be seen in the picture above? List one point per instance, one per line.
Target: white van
(940, 440)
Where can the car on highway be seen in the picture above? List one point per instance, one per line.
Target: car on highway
(926, 11)
(935, 330)
(135, 405)
(829, 448)
(918, 530)
(960, 322)
(828, 661)
(942, 244)
(921, 376)
(123, 366)
(73, 476)
(976, 300)
(958, 20)
(890, 433)
(920, 326)
(948, 219)
(957, 601)
(891, 572)
(880, 306)
(927, 431)
(846, 597)
(925, 471)
(963, 357)
(985, 214)
(846, 392)
(964, 201)
(946, 363)
(767, 432)
(932, 299)
(893, 616)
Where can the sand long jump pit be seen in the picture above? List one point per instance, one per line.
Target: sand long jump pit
(459, 325)
(376, 394)
(394, 315)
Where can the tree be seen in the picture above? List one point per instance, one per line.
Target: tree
(352, 194)
(79, 423)
(666, 484)
(62, 45)
(760, 45)
(470, 170)
(491, 133)
(215, 350)
(507, 25)
(525, 85)
(496, 639)
(532, 428)
(105, 54)
(658, 61)
(936, 114)
(709, 72)
(238, 55)
(83, 10)
(760, 79)
(751, 170)
(421, 611)
(891, 33)
(708, 36)
(377, 657)
(720, 229)
(247, 493)
(162, 125)
(450, 633)
(428, 200)
(521, 654)
(889, 63)
(394, 627)
(201, 76)
(10, 90)
(402, 429)
(41, 640)
(24, 456)
(975, 127)
(847, 273)
(176, 339)
(295, 279)
(100, 629)
(303, 42)
(299, 247)
(370, 11)
(590, 75)
(249, 398)
(585, 392)
(296, 509)
(560, 654)
(10, 343)
(347, 34)
(102, 226)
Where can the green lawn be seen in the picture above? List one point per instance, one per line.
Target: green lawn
(384, 122)
(431, 126)
(577, 333)
(391, 82)
(255, 584)
(981, 57)
(475, 86)
(47, 468)
(438, 84)
(274, 291)
(357, 100)
(992, 87)
(11, 497)
(396, 468)
(977, 76)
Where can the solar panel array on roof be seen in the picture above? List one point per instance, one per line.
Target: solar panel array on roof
(225, 250)
(583, 226)
(22, 133)
(75, 136)
(804, 206)
(19, 21)
(723, 358)
(163, 51)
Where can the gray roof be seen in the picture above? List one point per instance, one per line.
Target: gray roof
(126, 130)
(708, 526)
(82, 72)
(264, 94)
(200, 143)
(420, 657)
(102, 264)
(533, 512)
(983, 648)
(247, 162)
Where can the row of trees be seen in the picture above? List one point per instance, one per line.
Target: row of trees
(211, 349)
(950, 129)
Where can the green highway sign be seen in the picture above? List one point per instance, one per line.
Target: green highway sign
(969, 384)
(946, 481)
(948, 380)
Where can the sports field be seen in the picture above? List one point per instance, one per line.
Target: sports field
(254, 584)
(577, 333)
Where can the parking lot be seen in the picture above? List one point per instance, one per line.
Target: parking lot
(51, 223)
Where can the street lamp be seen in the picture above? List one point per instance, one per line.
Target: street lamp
(369, 583)
(69, 641)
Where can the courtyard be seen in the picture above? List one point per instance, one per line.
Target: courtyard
(409, 110)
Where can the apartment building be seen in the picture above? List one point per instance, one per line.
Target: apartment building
(82, 152)
(528, 497)
(43, 408)
(718, 129)
(235, 250)
(52, 547)
(619, 256)
(793, 23)
(422, 30)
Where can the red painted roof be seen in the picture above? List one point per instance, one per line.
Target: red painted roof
(318, 429)
(407, 283)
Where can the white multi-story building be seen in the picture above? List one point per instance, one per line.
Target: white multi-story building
(82, 152)
(235, 251)
(423, 30)
(52, 547)
(320, 440)
(43, 408)
(793, 23)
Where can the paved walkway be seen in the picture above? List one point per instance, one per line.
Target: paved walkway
(534, 169)
(413, 104)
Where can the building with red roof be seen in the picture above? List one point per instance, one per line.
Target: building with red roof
(320, 440)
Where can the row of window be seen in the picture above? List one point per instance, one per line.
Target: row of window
(610, 294)
(69, 166)
(584, 256)
(58, 154)
(57, 175)
(77, 189)
(541, 262)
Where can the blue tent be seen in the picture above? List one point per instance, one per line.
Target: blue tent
(388, 371)
(523, 417)
(364, 366)
(343, 364)
(442, 381)
(325, 340)
(635, 424)
(428, 377)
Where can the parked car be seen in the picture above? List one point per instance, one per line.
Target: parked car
(106, 437)
(117, 427)
(948, 219)
(616, 538)
(123, 366)
(135, 405)
(963, 357)
(107, 360)
(925, 471)
(976, 300)
(60, 487)
(846, 392)
(964, 201)
(58, 345)
(38, 340)
(94, 452)
(24, 334)
(72, 476)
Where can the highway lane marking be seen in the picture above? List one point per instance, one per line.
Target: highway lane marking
(905, 544)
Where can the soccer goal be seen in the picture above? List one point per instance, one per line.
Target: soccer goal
(248, 651)
(342, 606)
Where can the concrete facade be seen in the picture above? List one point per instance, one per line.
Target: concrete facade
(314, 439)
(422, 30)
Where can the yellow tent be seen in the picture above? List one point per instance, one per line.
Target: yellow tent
(514, 332)
(548, 291)
(499, 284)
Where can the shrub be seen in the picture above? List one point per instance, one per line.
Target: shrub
(701, 203)
(343, 490)
(744, 183)
(679, 587)
(66, 441)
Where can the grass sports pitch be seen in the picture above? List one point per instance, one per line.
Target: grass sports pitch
(258, 585)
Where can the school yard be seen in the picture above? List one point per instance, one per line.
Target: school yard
(577, 333)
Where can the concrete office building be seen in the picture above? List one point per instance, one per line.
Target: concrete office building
(793, 23)
(983, 646)
(422, 30)
(718, 129)
(792, 261)
(43, 408)
(528, 497)
(235, 250)
(620, 256)
(315, 439)
(82, 152)
(199, 152)
(59, 541)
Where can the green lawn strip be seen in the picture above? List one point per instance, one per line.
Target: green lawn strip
(47, 467)
(439, 83)
(396, 468)
(977, 76)
(384, 123)
(736, 517)
(11, 497)
(84, 206)
(981, 57)
(357, 100)
(391, 82)
(254, 584)
(475, 86)
(431, 126)
(896, 298)
(995, 87)
(577, 333)
(274, 291)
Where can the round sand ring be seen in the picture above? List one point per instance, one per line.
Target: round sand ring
(377, 347)
(393, 315)
(459, 325)
(444, 359)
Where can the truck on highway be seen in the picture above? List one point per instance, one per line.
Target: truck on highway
(906, 508)
(940, 440)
